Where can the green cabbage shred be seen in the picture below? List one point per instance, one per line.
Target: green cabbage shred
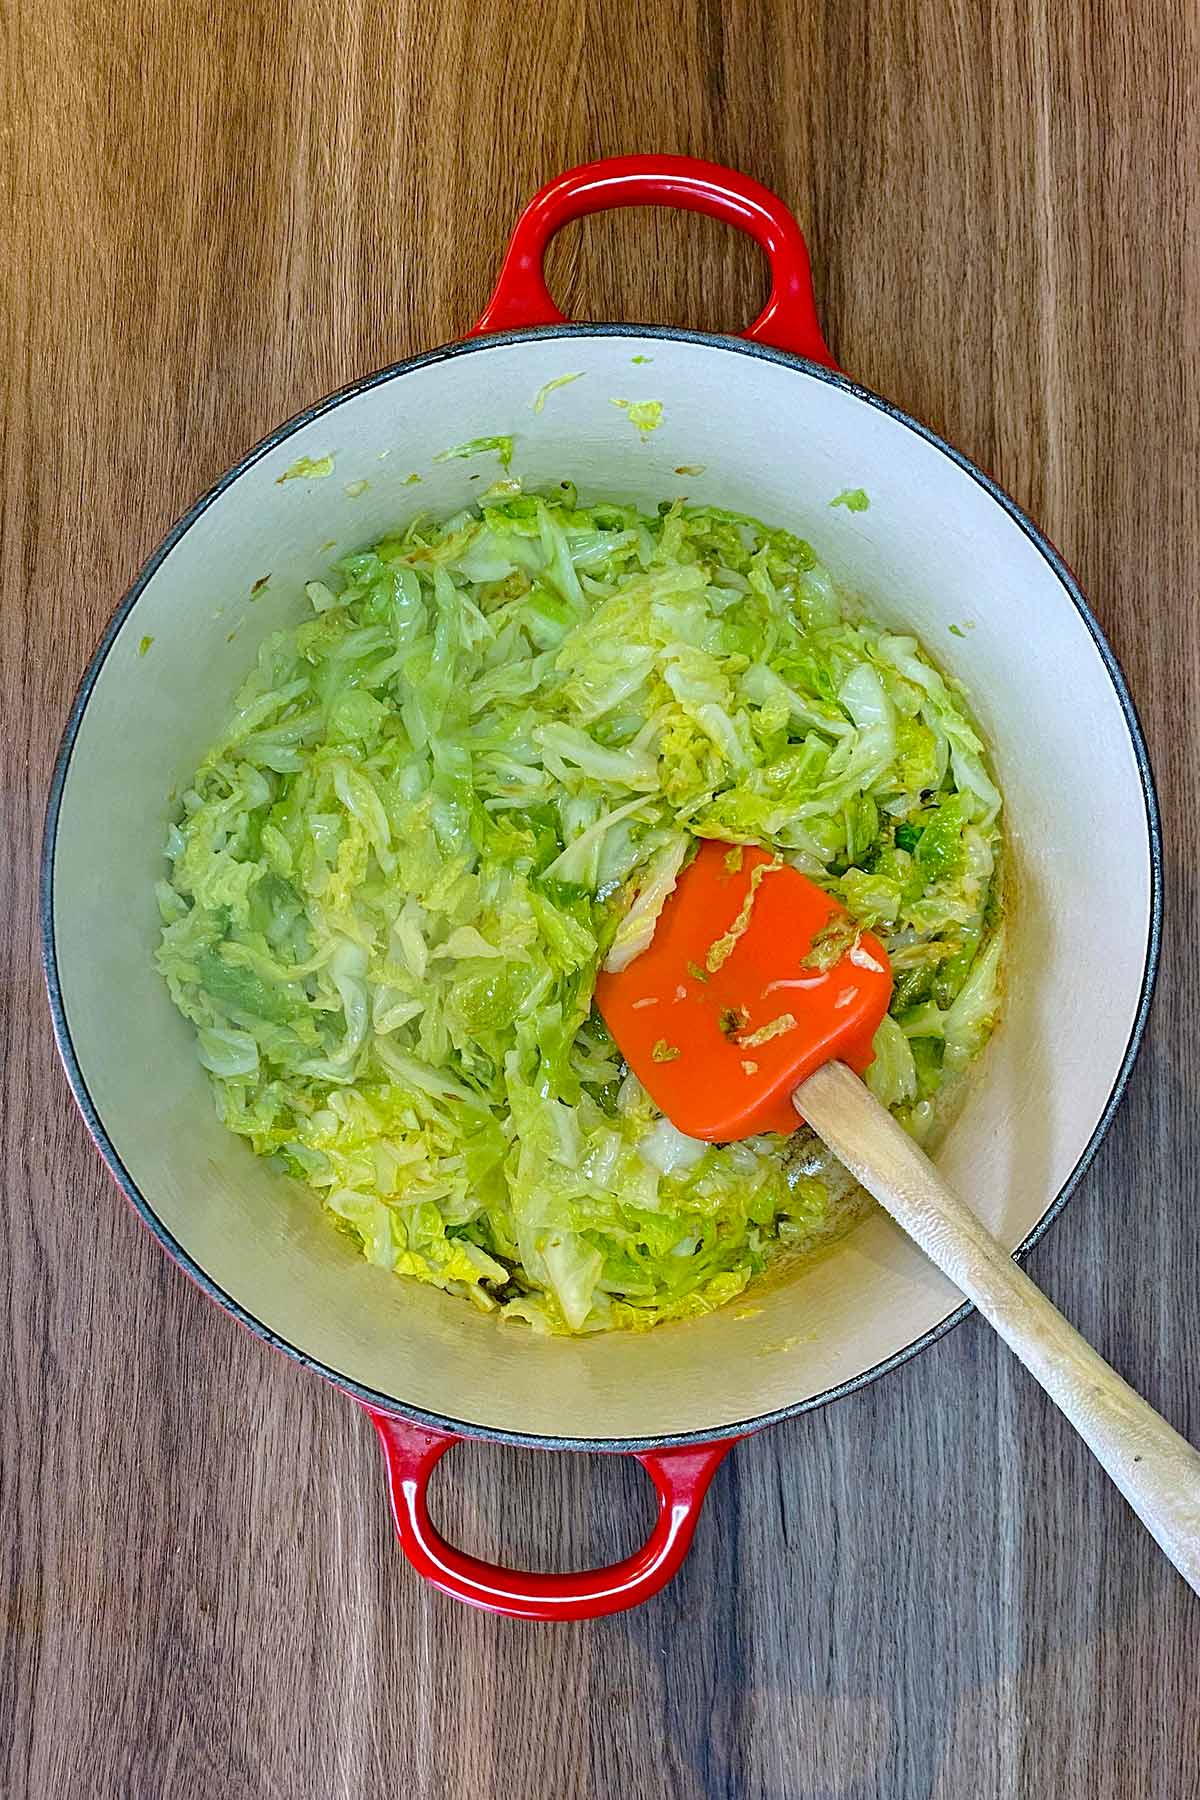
(307, 468)
(395, 875)
(548, 387)
(647, 415)
(502, 445)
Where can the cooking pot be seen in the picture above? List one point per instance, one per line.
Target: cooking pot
(761, 423)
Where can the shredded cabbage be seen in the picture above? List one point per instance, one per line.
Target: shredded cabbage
(470, 777)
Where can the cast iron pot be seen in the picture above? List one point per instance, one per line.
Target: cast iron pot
(777, 432)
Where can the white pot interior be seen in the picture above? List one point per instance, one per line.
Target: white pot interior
(935, 549)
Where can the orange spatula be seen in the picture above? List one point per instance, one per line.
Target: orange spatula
(755, 1004)
(753, 979)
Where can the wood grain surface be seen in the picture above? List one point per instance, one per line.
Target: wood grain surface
(214, 211)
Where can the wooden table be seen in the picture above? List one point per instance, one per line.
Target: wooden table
(216, 212)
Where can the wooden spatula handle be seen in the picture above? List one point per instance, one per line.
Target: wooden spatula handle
(1157, 1470)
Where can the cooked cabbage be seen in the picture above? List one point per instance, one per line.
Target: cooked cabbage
(470, 777)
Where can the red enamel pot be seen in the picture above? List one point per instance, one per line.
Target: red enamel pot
(763, 423)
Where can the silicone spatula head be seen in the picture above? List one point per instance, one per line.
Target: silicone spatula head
(754, 978)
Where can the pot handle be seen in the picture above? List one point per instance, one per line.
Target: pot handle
(681, 1476)
(787, 322)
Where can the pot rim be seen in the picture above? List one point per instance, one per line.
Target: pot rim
(478, 346)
